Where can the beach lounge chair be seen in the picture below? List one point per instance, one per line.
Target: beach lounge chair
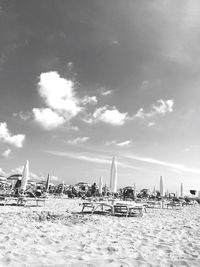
(94, 206)
(23, 200)
(174, 205)
(128, 209)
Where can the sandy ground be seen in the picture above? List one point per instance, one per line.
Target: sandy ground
(56, 235)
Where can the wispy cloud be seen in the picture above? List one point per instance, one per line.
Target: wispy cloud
(6, 137)
(106, 92)
(92, 158)
(125, 143)
(175, 166)
(117, 143)
(80, 156)
(78, 140)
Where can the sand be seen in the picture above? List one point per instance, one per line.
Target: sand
(57, 235)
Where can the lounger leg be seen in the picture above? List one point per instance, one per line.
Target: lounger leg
(112, 211)
(83, 208)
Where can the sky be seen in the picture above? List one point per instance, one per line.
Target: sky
(83, 81)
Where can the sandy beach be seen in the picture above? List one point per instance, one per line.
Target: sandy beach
(58, 235)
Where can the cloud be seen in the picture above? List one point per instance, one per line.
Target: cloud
(78, 140)
(125, 143)
(59, 94)
(120, 144)
(7, 137)
(24, 116)
(112, 116)
(151, 123)
(89, 100)
(54, 178)
(47, 118)
(92, 158)
(105, 93)
(80, 156)
(175, 166)
(63, 104)
(161, 108)
(6, 153)
(108, 115)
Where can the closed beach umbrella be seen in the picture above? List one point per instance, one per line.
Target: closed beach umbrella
(154, 190)
(25, 176)
(100, 185)
(181, 189)
(63, 186)
(47, 183)
(113, 176)
(105, 190)
(161, 187)
(134, 192)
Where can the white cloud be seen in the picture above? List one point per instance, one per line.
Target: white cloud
(140, 113)
(47, 118)
(78, 140)
(162, 107)
(89, 100)
(108, 115)
(59, 94)
(125, 143)
(6, 153)
(111, 116)
(105, 93)
(120, 144)
(151, 123)
(7, 137)
(54, 178)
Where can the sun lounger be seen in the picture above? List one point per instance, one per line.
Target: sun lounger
(128, 209)
(122, 208)
(22, 200)
(174, 205)
(94, 206)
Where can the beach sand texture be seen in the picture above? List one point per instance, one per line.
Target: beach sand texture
(56, 235)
